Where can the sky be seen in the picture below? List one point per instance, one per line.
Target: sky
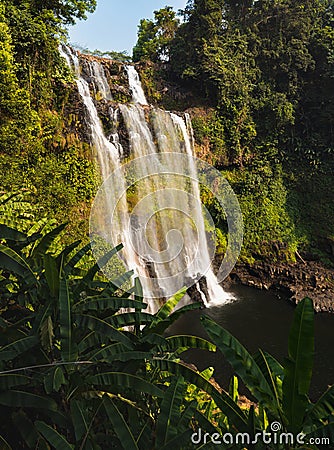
(114, 24)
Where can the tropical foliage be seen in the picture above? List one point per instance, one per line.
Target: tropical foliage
(155, 36)
(82, 365)
(69, 373)
(259, 77)
(36, 153)
(281, 390)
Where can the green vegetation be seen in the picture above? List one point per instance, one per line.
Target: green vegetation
(155, 36)
(260, 78)
(82, 364)
(40, 149)
(116, 56)
(72, 377)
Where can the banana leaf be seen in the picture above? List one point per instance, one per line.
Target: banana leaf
(223, 401)
(170, 412)
(118, 382)
(13, 262)
(243, 364)
(53, 437)
(120, 426)
(298, 366)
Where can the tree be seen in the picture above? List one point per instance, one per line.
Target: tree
(155, 36)
(29, 33)
(18, 122)
(268, 67)
(64, 10)
(202, 27)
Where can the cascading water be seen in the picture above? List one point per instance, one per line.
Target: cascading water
(138, 95)
(152, 133)
(100, 81)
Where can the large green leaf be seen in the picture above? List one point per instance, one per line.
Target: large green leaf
(91, 342)
(54, 380)
(139, 296)
(101, 303)
(275, 383)
(18, 347)
(242, 362)
(42, 314)
(68, 351)
(188, 413)
(324, 407)
(223, 401)
(298, 367)
(107, 352)
(68, 268)
(11, 234)
(80, 424)
(96, 267)
(130, 318)
(170, 304)
(26, 428)
(64, 253)
(233, 388)
(118, 381)
(118, 282)
(43, 246)
(206, 426)
(12, 261)
(102, 327)
(276, 368)
(138, 290)
(170, 412)
(53, 437)
(160, 325)
(16, 239)
(51, 273)
(24, 399)
(120, 426)
(323, 431)
(9, 380)
(180, 343)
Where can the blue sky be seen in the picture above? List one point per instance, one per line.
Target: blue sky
(114, 24)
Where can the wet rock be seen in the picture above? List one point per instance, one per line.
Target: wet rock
(294, 281)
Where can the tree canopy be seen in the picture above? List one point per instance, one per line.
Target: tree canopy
(267, 66)
(155, 36)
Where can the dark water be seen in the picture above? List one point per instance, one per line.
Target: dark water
(260, 319)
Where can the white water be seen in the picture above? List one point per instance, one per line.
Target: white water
(138, 95)
(98, 75)
(172, 249)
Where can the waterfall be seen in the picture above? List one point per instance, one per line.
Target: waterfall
(138, 95)
(167, 248)
(102, 87)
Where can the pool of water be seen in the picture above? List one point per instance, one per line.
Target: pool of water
(260, 319)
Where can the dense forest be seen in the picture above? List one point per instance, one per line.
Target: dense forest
(257, 78)
(261, 78)
(39, 151)
(83, 365)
